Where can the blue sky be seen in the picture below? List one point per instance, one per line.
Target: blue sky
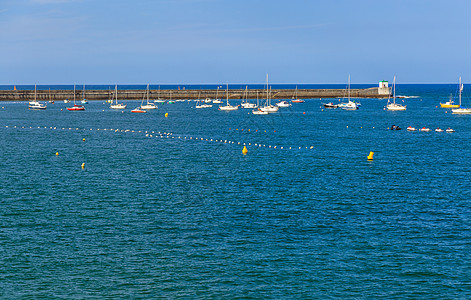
(238, 41)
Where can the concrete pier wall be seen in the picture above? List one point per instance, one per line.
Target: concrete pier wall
(59, 95)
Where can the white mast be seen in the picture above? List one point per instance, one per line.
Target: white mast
(394, 89)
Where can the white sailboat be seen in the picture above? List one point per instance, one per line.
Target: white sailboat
(393, 105)
(245, 102)
(199, 105)
(158, 100)
(117, 105)
(35, 104)
(269, 108)
(257, 111)
(217, 101)
(228, 107)
(84, 100)
(148, 105)
(461, 110)
(349, 105)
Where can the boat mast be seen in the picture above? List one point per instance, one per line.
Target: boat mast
(348, 87)
(267, 91)
(74, 93)
(227, 93)
(394, 89)
(116, 93)
(147, 93)
(461, 88)
(35, 93)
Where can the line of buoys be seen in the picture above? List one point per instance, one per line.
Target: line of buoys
(168, 135)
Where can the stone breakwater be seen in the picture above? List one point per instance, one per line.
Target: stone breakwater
(59, 95)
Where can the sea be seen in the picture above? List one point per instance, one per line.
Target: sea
(111, 204)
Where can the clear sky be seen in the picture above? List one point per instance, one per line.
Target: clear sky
(235, 41)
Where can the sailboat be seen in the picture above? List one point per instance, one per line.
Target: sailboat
(393, 105)
(35, 105)
(117, 105)
(158, 100)
(217, 101)
(268, 106)
(199, 105)
(148, 105)
(84, 101)
(258, 111)
(350, 105)
(245, 102)
(76, 107)
(461, 110)
(228, 107)
(295, 97)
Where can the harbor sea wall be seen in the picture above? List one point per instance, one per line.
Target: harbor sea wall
(58, 95)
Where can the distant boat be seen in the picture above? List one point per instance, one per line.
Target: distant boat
(330, 105)
(461, 110)
(295, 97)
(269, 108)
(158, 100)
(393, 105)
(217, 101)
(350, 105)
(245, 101)
(35, 104)
(449, 104)
(76, 107)
(258, 111)
(199, 105)
(283, 103)
(138, 110)
(228, 107)
(117, 105)
(84, 101)
(148, 105)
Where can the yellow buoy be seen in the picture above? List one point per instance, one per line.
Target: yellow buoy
(244, 150)
(166, 115)
(57, 153)
(83, 139)
(83, 165)
(370, 157)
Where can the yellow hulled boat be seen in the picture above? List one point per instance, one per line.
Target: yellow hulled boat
(449, 104)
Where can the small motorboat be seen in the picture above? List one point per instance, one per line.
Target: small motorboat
(449, 130)
(330, 105)
(76, 107)
(138, 110)
(425, 129)
(34, 105)
(394, 127)
(283, 104)
(438, 130)
(410, 128)
(297, 101)
(259, 112)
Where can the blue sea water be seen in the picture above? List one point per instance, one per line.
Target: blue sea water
(172, 216)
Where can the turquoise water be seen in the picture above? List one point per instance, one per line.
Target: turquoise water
(170, 215)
